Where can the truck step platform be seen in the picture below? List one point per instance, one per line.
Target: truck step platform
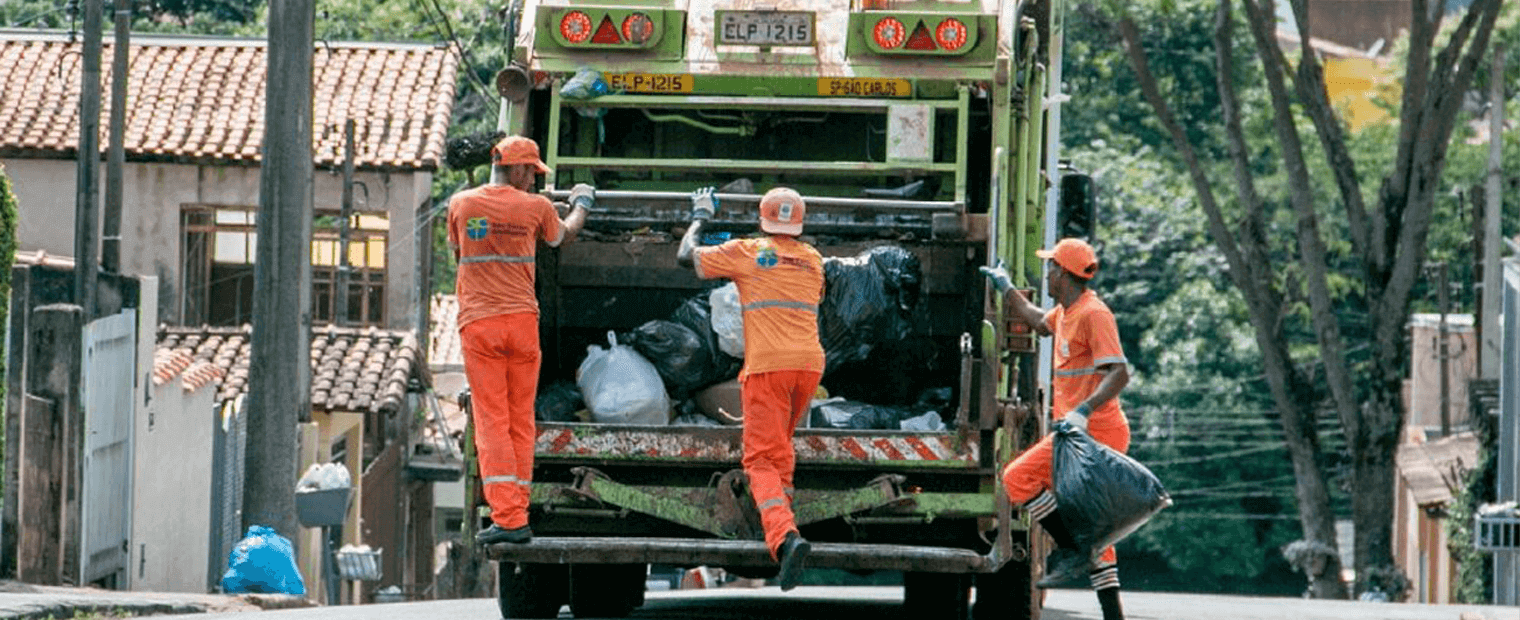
(689, 552)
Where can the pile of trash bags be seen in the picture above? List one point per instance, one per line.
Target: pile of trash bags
(641, 376)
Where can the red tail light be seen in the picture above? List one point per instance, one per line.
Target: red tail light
(889, 33)
(950, 34)
(637, 28)
(575, 26)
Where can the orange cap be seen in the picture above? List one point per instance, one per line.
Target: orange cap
(1073, 255)
(781, 212)
(517, 150)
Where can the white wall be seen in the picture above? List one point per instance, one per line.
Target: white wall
(153, 194)
(171, 513)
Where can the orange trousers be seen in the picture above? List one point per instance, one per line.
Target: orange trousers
(774, 402)
(1030, 472)
(501, 360)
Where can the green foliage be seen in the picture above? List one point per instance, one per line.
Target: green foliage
(9, 217)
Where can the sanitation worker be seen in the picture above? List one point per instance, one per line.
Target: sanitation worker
(1089, 372)
(780, 282)
(494, 231)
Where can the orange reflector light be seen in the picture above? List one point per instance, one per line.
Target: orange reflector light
(606, 33)
(950, 34)
(637, 28)
(889, 33)
(921, 40)
(575, 26)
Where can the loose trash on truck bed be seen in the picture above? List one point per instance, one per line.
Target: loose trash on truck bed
(1102, 495)
(558, 402)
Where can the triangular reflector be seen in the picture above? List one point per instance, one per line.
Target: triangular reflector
(606, 33)
(921, 39)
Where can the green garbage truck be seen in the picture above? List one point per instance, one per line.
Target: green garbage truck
(924, 125)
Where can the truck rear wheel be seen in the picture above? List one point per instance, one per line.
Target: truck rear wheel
(606, 590)
(530, 590)
(1008, 594)
(936, 596)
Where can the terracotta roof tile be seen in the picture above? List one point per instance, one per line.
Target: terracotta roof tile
(353, 369)
(201, 100)
(444, 354)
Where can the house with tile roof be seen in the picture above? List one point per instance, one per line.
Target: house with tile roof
(194, 134)
(193, 141)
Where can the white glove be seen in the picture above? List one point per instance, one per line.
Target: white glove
(998, 275)
(704, 203)
(582, 196)
(1077, 417)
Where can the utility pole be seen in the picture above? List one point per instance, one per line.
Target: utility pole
(340, 282)
(87, 165)
(116, 159)
(1488, 317)
(1444, 353)
(279, 373)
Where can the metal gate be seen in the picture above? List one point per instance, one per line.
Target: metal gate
(109, 371)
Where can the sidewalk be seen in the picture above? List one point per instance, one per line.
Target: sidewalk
(22, 601)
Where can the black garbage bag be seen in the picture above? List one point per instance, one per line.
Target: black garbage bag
(684, 361)
(696, 314)
(1101, 495)
(868, 300)
(559, 403)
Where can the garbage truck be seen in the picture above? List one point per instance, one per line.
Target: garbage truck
(922, 127)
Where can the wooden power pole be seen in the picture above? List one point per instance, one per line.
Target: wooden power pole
(279, 373)
(87, 164)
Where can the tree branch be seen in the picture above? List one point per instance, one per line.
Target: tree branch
(1311, 248)
(1310, 87)
(1428, 155)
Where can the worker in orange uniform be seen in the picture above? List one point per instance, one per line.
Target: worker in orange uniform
(1089, 372)
(780, 281)
(494, 231)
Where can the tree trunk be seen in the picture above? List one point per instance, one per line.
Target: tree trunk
(1245, 248)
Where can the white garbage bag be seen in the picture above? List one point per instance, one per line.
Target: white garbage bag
(621, 387)
(728, 319)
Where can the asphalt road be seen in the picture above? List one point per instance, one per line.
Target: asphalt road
(835, 603)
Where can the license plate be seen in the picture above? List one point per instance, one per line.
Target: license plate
(765, 27)
(649, 82)
(864, 87)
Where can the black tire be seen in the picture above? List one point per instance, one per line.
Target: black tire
(530, 590)
(936, 596)
(1008, 594)
(606, 590)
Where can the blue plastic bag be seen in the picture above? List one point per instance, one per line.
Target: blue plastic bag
(263, 562)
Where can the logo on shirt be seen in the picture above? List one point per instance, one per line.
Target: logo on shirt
(767, 258)
(477, 228)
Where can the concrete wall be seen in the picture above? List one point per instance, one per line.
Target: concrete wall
(1425, 369)
(153, 195)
